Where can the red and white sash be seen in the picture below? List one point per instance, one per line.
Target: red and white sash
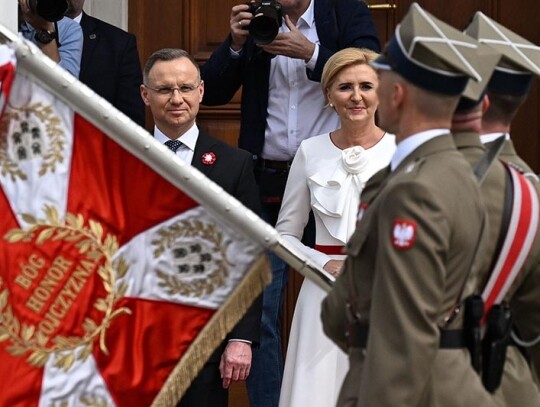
(518, 240)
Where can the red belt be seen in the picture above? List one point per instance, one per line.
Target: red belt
(330, 249)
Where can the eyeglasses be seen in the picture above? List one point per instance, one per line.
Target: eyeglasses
(184, 90)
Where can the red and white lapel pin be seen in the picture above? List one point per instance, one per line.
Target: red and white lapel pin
(208, 158)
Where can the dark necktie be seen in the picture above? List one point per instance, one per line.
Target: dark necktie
(173, 145)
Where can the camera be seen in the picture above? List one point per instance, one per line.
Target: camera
(267, 19)
(50, 10)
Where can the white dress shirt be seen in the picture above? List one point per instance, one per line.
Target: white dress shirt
(188, 139)
(296, 106)
(489, 137)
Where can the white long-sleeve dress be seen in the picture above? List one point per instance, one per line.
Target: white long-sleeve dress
(327, 180)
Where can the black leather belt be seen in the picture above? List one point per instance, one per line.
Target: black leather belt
(450, 338)
(273, 165)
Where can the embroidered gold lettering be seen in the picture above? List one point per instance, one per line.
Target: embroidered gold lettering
(29, 271)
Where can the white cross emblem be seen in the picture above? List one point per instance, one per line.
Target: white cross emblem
(505, 41)
(452, 44)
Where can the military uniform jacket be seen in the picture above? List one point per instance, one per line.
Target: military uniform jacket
(509, 154)
(408, 260)
(524, 297)
(517, 386)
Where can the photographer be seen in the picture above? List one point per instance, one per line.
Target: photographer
(282, 104)
(61, 40)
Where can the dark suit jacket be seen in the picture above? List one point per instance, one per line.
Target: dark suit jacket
(233, 171)
(110, 66)
(340, 24)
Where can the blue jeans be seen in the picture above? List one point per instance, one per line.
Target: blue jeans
(264, 380)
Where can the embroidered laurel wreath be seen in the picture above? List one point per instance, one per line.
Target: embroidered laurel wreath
(91, 246)
(185, 233)
(42, 115)
(87, 400)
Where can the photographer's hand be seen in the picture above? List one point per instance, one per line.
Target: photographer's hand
(293, 44)
(240, 19)
(40, 24)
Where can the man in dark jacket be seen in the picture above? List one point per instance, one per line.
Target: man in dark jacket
(173, 90)
(110, 63)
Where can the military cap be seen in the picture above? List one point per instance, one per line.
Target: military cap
(520, 58)
(475, 90)
(431, 54)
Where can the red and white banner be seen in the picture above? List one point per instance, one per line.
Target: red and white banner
(107, 271)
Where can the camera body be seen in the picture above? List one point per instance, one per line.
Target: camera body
(50, 10)
(267, 18)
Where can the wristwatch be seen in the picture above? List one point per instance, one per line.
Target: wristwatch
(44, 37)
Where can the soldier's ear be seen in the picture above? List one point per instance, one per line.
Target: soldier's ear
(399, 94)
(485, 104)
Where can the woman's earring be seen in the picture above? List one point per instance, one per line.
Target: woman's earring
(331, 105)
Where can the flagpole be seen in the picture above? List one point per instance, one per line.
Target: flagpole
(141, 144)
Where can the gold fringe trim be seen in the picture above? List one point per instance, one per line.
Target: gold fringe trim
(213, 333)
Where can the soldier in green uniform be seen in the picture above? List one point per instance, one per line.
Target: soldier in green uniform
(414, 246)
(506, 91)
(517, 387)
(510, 84)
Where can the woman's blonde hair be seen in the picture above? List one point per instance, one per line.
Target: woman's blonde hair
(341, 60)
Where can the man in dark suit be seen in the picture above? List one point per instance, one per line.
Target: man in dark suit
(173, 90)
(282, 104)
(110, 62)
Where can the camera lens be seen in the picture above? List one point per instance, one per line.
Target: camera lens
(50, 10)
(264, 25)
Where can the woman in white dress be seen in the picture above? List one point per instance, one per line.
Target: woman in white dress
(327, 176)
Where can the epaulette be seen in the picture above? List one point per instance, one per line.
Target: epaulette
(515, 166)
(530, 175)
(413, 167)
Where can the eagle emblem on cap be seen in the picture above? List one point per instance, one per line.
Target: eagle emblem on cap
(403, 234)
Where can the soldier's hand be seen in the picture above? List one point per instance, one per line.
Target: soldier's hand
(235, 362)
(293, 44)
(239, 22)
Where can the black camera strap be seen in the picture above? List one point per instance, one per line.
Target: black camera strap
(57, 39)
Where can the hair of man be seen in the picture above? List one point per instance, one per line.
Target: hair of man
(167, 54)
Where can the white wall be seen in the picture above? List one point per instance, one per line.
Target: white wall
(8, 14)
(114, 12)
